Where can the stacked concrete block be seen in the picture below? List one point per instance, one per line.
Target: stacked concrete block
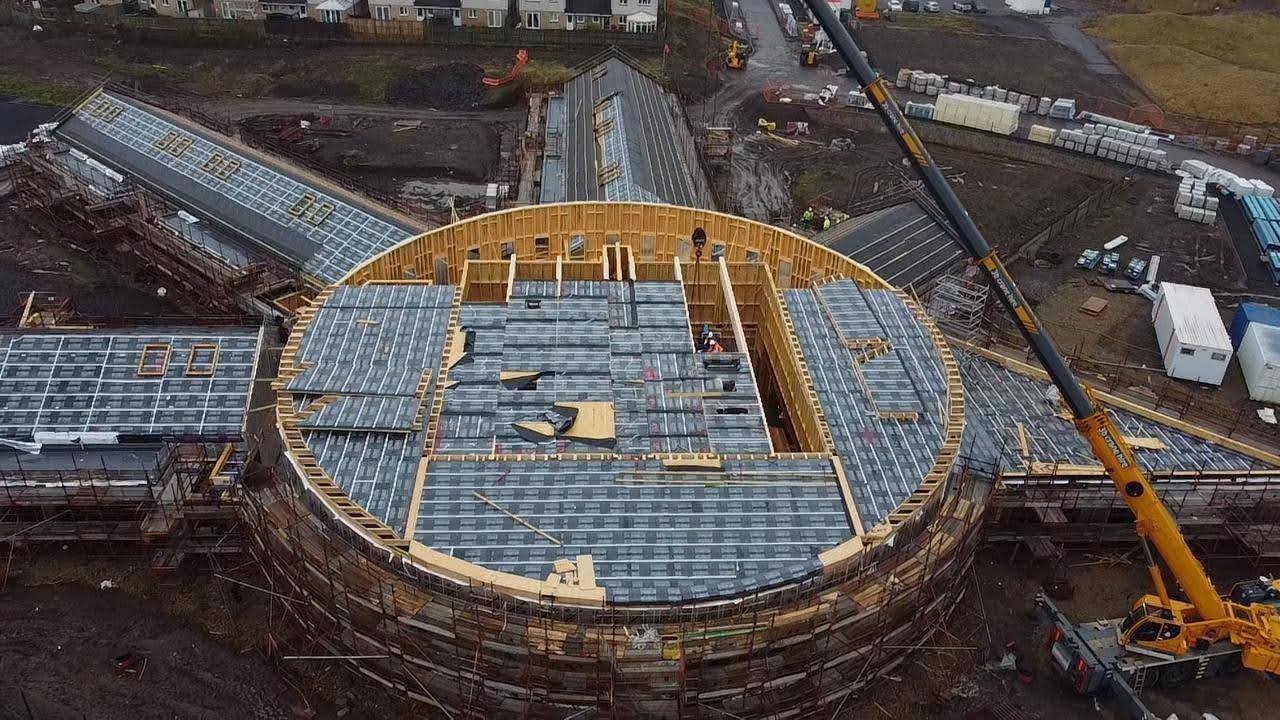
(1042, 134)
(1228, 183)
(1194, 202)
(919, 110)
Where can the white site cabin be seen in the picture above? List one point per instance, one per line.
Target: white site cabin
(1193, 341)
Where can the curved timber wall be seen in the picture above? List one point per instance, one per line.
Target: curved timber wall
(474, 647)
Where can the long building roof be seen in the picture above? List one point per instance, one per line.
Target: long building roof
(615, 134)
(323, 230)
(151, 382)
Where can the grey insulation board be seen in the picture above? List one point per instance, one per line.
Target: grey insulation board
(366, 413)
(903, 244)
(997, 399)
(649, 541)
(376, 469)
(88, 381)
(644, 139)
(373, 347)
(587, 337)
(885, 459)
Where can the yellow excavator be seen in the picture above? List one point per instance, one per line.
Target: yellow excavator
(1189, 637)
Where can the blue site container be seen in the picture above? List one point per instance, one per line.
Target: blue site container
(1251, 313)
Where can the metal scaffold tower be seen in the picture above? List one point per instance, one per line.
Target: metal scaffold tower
(957, 306)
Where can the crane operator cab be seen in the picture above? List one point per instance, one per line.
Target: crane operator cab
(1177, 629)
(1151, 626)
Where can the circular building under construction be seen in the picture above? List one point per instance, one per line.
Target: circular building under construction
(617, 460)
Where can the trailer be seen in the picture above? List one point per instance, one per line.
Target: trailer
(1095, 662)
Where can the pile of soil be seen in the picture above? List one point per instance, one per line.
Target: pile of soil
(455, 86)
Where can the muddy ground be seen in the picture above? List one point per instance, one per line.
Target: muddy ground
(1122, 335)
(1011, 51)
(940, 683)
(101, 280)
(423, 161)
(213, 648)
(1190, 253)
(202, 646)
(370, 74)
(1011, 201)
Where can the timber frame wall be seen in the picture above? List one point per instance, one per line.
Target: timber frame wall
(479, 643)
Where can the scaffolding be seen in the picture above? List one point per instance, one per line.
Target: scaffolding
(87, 201)
(798, 651)
(957, 306)
(180, 499)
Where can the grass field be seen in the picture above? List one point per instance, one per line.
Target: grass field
(38, 91)
(1220, 67)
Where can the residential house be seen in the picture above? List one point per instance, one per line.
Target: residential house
(541, 14)
(474, 13)
(238, 9)
(485, 13)
(179, 8)
(444, 12)
(399, 10)
(634, 15)
(587, 14)
(336, 11)
(287, 8)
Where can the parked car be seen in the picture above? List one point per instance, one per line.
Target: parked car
(980, 8)
(1089, 259)
(962, 7)
(895, 5)
(1136, 269)
(932, 7)
(911, 5)
(1110, 262)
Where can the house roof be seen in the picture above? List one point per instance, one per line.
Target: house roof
(618, 136)
(642, 17)
(588, 7)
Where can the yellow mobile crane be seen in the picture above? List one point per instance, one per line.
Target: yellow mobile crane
(1246, 621)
